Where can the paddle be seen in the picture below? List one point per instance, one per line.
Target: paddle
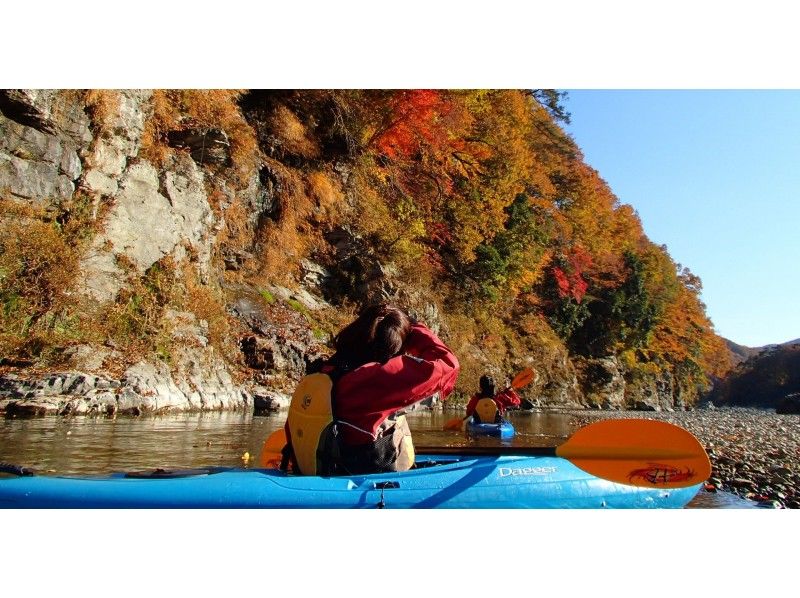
(270, 456)
(637, 452)
(522, 379)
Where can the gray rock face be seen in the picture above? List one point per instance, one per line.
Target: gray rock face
(358, 271)
(313, 273)
(196, 380)
(42, 135)
(111, 153)
(266, 400)
(50, 111)
(146, 225)
(652, 394)
(144, 388)
(287, 347)
(556, 383)
(144, 213)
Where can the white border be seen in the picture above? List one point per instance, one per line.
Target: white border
(414, 43)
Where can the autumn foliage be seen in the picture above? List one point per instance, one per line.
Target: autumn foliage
(481, 197)
(475, 201)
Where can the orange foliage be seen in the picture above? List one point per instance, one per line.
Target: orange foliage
(686, 335)
(292, 135)
(181, 109)
(284, 241)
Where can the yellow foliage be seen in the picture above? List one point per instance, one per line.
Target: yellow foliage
(308, 205)
(686, 335)
(389, 218)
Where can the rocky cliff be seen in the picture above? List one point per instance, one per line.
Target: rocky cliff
(195, 250)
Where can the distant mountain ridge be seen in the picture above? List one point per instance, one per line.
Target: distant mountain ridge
(763, 376)
(742, 353)
(786, 344)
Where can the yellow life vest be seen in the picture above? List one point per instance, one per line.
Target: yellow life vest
(313, 444)
(310, 422)
(486, 410)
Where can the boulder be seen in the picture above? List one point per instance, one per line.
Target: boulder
(206, 146)
(313, 274)
(602, 382)
(789, 404)
(32, 407)
(267, 401)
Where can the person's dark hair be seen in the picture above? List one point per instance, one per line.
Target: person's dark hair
(378, 334)
(487, 386)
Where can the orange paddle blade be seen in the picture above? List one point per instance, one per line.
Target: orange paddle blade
(523, 378)
(638, 452)
(271, 450)
(454, 424)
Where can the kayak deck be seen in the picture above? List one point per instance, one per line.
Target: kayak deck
(437, 482)
(503, 429)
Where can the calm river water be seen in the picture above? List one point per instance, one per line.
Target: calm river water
(85, 445)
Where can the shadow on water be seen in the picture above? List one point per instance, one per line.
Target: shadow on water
(85, 445)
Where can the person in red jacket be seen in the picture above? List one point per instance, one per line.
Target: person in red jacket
(384, 362)
(486, 406)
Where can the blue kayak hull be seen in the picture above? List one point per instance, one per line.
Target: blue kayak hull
(439, 482)
(501, 430)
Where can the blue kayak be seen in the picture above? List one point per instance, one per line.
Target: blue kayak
(502, 430)
(453, 482)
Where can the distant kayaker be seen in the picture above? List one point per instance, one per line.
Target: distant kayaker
(347, 415)
(487, 406)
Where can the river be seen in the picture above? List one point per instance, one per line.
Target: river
(89, 445)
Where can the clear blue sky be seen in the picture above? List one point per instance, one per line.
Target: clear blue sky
(715, 176)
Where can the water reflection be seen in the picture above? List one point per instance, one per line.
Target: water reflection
(80, 445)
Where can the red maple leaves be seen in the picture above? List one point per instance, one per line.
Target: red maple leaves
(415, 120)
(570, 275)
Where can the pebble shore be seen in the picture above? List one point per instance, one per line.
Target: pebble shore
(755, 453)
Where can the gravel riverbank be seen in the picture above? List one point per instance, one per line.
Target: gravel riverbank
(754, 453)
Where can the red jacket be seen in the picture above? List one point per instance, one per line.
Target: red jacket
(369, 394)
(503, 399)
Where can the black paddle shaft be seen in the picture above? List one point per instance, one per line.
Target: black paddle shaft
(487, 451)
